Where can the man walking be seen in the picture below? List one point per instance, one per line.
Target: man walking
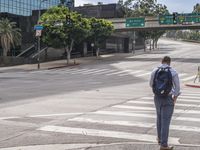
(166, 88)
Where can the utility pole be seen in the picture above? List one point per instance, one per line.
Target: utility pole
(39, 39)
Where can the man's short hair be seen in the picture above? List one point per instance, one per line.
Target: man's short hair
(166, 59)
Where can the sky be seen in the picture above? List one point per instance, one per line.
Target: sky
(180, 6)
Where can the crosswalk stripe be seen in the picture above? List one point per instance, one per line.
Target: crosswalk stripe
(131, 72)
(125, 71)
(124, 123)
(106, 133)
(140, 75)
(177, 104)
(178, 111)
(120, 113)
(179, 99)
(134, 124)
(94, 71)
(188, 94)
(188, 78)
(189, 97)
(182, 74)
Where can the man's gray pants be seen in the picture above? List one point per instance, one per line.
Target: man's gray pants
(164, 111)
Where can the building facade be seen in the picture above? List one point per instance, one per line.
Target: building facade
(25, 7)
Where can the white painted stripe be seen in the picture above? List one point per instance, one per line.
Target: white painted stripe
(182, 74)
(103, 72)
(5, 118)
(135, 124)
(130, 72)
(179, 99)
(188, 94)
(119, 113)
(118, 122)
(177, 104)
(141, 75)
(96, 70)
(90, 71)
(189, 97)
(189, 78)
(135, 72)
(134, 107)
(188, 119)
(51, 115)
(178, 111)
(185, 128)
(105, 133)
(77, 71)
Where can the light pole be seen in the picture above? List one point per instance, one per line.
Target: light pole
(39, 40)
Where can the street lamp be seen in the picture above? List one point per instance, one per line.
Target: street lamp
(39, 14)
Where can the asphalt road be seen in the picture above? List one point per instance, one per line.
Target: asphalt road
(106, 102)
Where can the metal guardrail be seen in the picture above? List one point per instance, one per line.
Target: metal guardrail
(41, 51)
(25, 51)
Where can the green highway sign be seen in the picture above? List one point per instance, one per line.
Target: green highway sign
(135, 22)
(166, 19)
(179, 19)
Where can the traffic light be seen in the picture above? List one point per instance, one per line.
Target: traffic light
(68, 19)
(175, 17)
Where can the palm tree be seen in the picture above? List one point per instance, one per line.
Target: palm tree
(9, 34)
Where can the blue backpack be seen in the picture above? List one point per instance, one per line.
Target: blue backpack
(162, 83)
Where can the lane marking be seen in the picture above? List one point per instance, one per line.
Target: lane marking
(189, 78)
(35, 116)
(182, 74)
(135, 124)
(119, 72)
(51, 115)
(177, 104)
(179, 99)
(106, 133)
(5, 118)
(141, 75)
(123, 123)
(120, 113)
(189, 97)
(178, 111)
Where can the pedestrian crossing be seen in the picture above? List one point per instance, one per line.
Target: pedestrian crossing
(145, 74)
(137, 115)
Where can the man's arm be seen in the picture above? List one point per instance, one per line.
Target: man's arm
(176, 87)
(152, 78)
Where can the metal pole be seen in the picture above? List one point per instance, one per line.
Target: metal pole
(39, 39)
(133, 42)
(38, 58)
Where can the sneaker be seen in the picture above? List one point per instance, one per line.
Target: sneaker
(166, 148)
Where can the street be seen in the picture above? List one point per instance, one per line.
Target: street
(104, 102)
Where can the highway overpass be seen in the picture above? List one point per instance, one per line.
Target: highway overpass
(151, 23)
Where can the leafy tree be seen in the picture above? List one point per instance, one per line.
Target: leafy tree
(9, 34)
(63, 28)
(196, 8)
(144, 8)
(100, 30)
